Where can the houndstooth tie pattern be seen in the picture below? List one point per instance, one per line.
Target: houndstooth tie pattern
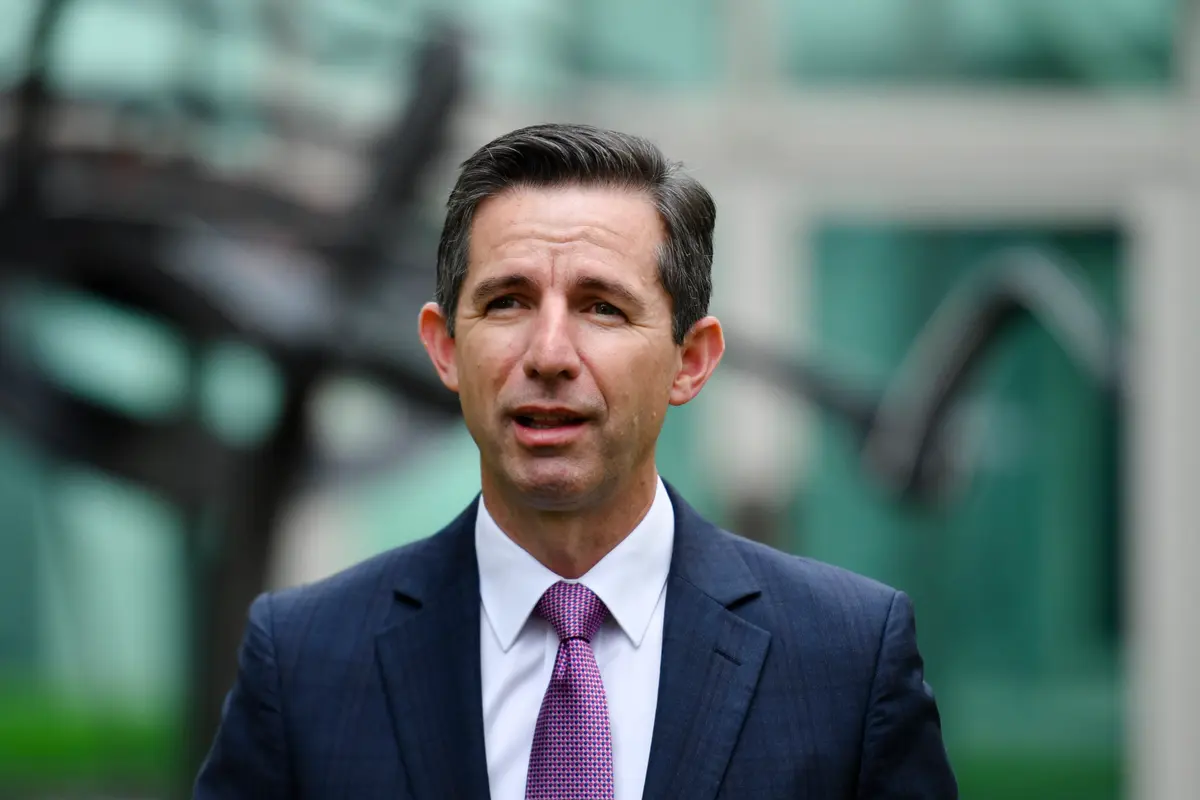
(572, 743)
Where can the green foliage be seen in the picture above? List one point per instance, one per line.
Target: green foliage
(46, 741)
(1045, 775)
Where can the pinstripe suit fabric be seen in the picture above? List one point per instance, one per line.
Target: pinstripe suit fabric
(782, 679)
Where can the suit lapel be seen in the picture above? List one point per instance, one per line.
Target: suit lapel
(429, 661)
(711, 662)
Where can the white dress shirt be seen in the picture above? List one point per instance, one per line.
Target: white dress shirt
(518, 648)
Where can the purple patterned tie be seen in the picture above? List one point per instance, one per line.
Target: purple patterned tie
(572, 743)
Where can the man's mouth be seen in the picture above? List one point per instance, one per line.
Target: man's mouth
(548, 421)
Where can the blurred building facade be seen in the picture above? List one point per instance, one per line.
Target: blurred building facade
(865, 158)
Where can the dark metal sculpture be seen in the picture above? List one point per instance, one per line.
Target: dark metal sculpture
(304, 294)
(906, 444)
(902, 428)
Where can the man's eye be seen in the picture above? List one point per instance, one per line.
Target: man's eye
(607, 309)
(502, 303)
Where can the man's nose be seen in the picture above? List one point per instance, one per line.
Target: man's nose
(551, 353)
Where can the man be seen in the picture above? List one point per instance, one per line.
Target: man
(578, 631)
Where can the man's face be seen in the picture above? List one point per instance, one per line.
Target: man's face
(563, 354)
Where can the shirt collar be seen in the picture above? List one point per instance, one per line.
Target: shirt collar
(629, 579)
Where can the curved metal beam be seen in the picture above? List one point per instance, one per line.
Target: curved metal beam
(901, 426)
(1017, 283)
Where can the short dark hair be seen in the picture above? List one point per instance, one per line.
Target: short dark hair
(553, 155)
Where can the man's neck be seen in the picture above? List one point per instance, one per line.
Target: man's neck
(569, 543)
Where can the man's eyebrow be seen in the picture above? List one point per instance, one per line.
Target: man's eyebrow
(488, 287)
(617, 291)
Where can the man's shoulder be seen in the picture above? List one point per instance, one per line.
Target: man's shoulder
(364, 577)
(796, 583)
(367, 589)
(790, 583)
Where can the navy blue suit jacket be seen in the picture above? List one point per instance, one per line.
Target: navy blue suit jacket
(781, 678)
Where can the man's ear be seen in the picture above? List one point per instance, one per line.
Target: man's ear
(699, 355)
(439, 344)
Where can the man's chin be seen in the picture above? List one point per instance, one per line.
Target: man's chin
(557, 491)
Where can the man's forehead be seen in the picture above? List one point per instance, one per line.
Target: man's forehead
(553, 234)
(612, 217)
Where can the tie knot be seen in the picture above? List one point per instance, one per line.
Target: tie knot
(573, 609)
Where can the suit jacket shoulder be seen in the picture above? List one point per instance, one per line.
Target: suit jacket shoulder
(813, 594)
(343, 612)
(804, 678)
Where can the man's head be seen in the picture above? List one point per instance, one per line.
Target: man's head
(573, 280)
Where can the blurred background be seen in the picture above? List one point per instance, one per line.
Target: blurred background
(954, 260)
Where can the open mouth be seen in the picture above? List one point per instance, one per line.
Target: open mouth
(541, 422)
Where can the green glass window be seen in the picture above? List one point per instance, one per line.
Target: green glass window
(675, 43)
(1064, 43)
(1015, 579)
